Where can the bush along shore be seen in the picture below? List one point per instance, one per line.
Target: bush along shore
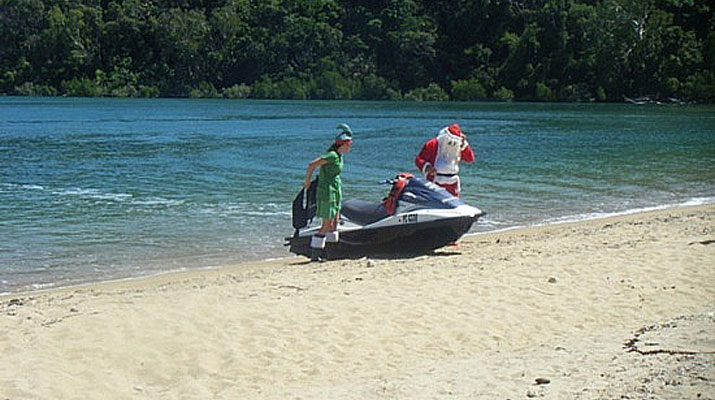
(472, 50)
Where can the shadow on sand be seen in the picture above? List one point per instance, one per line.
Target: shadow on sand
(386, 256)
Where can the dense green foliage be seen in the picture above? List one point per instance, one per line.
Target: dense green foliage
(464, 50)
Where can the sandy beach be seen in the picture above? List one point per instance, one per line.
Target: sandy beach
(615, 308)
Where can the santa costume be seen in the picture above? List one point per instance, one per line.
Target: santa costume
(444, 153)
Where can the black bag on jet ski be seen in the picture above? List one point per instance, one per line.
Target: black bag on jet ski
(304, 206)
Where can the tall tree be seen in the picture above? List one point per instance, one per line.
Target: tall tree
(182, 38)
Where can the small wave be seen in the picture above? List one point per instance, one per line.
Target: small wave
(75, 192)
(502, 226)
(112, 196)
(32, 187)
(265, 214)
(96, 194)
(158, 201)
(93, 194)
(696, 201)
(486, 223)
(225, 213)
(490, 222)
(41, 286)
(245, 209)
(22, 186)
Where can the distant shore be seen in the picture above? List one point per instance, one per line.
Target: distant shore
(598, 309)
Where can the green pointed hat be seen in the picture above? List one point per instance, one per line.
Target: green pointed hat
(344, 133)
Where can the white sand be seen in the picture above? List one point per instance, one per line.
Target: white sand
(605, 309)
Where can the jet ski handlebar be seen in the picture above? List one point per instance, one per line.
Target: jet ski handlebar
(402, 176)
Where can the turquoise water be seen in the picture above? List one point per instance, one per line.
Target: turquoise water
(96, 189)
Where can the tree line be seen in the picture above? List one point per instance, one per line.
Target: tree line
(436, 50)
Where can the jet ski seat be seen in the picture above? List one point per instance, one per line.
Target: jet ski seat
(363, 212)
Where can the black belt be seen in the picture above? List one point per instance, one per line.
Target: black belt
(447, 175)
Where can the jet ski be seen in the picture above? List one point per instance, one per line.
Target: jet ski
(416, 217)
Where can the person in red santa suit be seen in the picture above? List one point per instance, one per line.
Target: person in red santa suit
(440, 156)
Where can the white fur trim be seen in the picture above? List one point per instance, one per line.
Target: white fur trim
(317, 242)
(447, 180)
(446, 131)
(332, 237)
(426, 167)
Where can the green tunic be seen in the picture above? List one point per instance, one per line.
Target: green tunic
(329, 193)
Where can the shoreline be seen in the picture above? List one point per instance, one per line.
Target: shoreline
(598, 309)
(695, 202)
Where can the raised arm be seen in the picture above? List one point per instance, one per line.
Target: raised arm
(467, 152)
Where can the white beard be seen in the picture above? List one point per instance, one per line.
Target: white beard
(449, 153)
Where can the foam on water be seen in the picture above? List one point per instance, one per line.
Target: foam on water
(496, 227)
(599, 215)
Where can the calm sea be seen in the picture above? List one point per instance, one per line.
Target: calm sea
(98, 189)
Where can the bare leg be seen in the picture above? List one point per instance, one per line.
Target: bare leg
(328, 225)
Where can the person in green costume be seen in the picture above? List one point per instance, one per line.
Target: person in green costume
(329, 192)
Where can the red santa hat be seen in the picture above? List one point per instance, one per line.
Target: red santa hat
(452, 130)
(455, 130)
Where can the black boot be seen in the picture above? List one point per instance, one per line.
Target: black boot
(317, 255)
(317, 246)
